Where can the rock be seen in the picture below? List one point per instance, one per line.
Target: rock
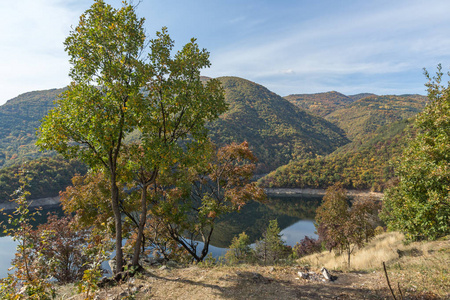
(303, 275)
(325, 274)
(163, 268)
(171, 264)
(271, 269)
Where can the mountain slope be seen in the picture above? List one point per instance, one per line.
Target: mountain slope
(19, 118)
(276, 129)
(356, 165)
(365, 116)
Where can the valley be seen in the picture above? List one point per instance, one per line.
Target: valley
(301, 141)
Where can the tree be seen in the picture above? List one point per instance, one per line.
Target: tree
(115, 93)
(177, 106)
(418, 204)
(206, 191)
(341, 227)
(271, 247)
(91, 118)
(239, 250)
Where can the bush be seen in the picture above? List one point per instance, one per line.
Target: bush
(239, 249)
(307, 246)
(61, 248)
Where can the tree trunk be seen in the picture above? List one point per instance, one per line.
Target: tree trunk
(118, 223)
(349, 252)
(140, 234)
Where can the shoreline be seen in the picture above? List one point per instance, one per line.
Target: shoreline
(319, 192)
(34, 203)
(54, 201)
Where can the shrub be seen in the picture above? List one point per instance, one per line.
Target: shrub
(307, 246)
(239, 249)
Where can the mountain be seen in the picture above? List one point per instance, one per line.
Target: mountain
(379, 127)
(277, 130)
(360, 96)
(357, 165)
(320, 104)
(364, 116)
(19, 118)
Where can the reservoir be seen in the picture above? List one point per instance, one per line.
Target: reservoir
(295, 216)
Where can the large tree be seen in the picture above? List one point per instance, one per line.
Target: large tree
(419, 204)
(177, 105)
(91, 118)
(117, 91)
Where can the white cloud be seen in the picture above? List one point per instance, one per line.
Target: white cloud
(389, 38)
(31, 45)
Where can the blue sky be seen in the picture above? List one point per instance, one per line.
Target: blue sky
(288, 46)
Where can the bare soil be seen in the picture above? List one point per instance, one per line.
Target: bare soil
(245, 282)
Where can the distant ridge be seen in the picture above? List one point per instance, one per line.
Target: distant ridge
(320, 104)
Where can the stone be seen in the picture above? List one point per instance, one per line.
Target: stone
(303, 275)
(325, 274)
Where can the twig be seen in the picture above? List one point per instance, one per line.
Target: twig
(401, 295)
(387, 279)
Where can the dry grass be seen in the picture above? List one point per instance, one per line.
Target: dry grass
(382, 248)
(420, 267)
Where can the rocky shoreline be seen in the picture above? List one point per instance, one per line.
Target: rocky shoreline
(54, 201)
(42, 202)
(319, 192)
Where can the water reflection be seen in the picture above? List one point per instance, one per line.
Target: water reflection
(254, 218)
(295, 217)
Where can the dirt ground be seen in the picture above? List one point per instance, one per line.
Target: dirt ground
(245, 282)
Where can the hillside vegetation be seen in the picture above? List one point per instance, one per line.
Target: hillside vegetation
(356, 165)
(308, 150)
(363, 117)
(19, 118)
(277, 130)
(47, 176)
(379, 127)
(321, 104)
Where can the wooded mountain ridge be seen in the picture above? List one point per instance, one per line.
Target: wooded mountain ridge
(297, 130)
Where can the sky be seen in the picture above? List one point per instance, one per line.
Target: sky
(288, 46)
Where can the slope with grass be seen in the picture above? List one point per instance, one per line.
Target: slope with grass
(421, 270)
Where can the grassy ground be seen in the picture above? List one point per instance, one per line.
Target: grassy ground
(421, 270)
(419, 267)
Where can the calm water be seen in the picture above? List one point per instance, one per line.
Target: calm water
(295, 217)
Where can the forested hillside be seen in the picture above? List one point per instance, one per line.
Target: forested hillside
(356, 165)
(365, 116)
(47, 176)
(277, 130)
(320, 104)
(281, 134)
(19, 118)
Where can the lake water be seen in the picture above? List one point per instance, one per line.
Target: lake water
(295, 217)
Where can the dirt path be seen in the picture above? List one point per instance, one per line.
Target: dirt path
(245, 282)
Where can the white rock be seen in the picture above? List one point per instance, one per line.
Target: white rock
(325, 274)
